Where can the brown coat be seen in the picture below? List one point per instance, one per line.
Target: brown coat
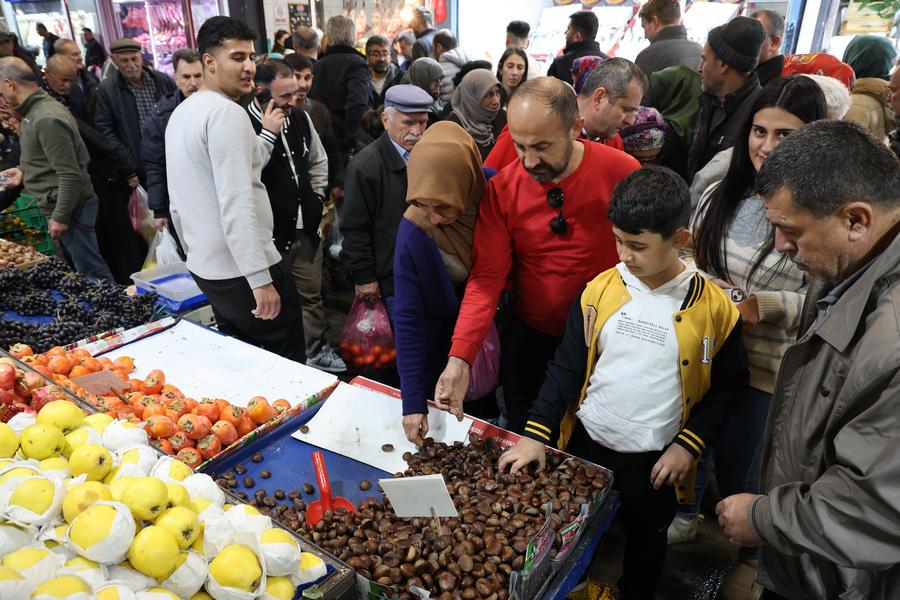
(830, 517)
(869, 106)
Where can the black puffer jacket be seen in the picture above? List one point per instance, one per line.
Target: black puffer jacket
(116, 114)
(153, 154)
(342, 84)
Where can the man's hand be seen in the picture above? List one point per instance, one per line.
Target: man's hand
(268, 302)
(451, 388)
(368, 291)
(671, 467)
(336, 195)
(57, 228)
(734, 517)
(161, 224)
(273, 119)
(14, 176)
(749, 310)
(525, 452)
(416, 427)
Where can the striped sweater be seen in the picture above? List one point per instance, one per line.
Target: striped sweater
(779, 287)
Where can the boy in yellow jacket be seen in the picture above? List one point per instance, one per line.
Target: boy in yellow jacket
(646, 374)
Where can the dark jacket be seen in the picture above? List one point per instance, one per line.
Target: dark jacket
(28, 57)
(87, 82)
(116, 114)
(769, 70)
(426, 304)
(669, 48)
(287, 195)
(374, 203)
(717, 125)
(321, 119)
(107, 161)
(561, 68)
(828, 516)
(342, 84)
(48, 42)
(94, 54)
(424, 44)
(153, 154)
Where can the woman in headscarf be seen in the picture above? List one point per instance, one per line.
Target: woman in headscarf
(432, 261)
(871, 57)
(476, 108)
(427, 74)
(582, 68)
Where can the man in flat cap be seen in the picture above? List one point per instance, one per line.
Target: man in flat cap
(375, 193)
(124, 102)
(727, 65)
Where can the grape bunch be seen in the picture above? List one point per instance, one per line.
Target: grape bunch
(87, 307)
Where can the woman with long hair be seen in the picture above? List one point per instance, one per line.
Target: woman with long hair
(476, 108)
(512, 71)
(278, 42)
(733, 244)
(432, 261)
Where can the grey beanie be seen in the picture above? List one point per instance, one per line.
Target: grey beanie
(737, 42)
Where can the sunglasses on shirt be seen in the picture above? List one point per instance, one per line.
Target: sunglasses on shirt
(555, 198)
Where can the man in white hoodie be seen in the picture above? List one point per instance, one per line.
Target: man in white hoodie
(220, 207)
(451, 58)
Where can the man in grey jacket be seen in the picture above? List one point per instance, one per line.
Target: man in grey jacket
(827, 519)
(669, 46)
(219, 205)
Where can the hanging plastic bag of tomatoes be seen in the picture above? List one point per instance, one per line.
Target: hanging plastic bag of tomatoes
(486, 370)
(367, 341)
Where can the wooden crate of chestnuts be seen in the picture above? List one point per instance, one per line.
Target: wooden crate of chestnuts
(472, 556)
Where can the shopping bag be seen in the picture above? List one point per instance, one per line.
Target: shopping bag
(140, 215)
(485, 373)
(162, 250)
(367, 341)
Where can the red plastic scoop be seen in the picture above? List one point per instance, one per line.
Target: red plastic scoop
(316, 510)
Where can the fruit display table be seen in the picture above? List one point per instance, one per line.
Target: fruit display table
(275, 473)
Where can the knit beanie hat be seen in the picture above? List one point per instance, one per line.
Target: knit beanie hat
(737, 42)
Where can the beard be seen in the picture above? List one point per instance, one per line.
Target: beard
(380, 68)
(544, 172)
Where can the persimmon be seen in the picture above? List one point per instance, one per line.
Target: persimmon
(56, 351)
(209, 446)
(244, 426)
(59, 364)
(160, 426)
(225, 431)
(190, 456)
(92, 364)
(177, 404)
(281, 405)
(78, 371)
(232, 414)
(153, 383)
(21, 350)
(153, 409)
(259, 410)
(126, 363)
(165, 446)
(208, 409)
(179, 441)
(194, 426)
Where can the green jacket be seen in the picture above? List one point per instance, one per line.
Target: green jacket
(54, 159)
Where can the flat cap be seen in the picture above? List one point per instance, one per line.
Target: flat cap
(408, 99)
(124, 45)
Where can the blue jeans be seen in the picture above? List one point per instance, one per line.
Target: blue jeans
(737, 457)
(80, 242)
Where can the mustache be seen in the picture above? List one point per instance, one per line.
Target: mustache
(412, 138)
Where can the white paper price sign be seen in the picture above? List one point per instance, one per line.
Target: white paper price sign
(421, 496)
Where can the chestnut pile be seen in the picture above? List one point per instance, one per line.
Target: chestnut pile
(470, 556)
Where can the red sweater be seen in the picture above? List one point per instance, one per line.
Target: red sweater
(504, 151)
(513, 235)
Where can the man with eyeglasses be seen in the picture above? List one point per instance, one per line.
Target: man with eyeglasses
(542, 221)
(383, 72)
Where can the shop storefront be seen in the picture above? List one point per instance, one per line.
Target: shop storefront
(160, 26)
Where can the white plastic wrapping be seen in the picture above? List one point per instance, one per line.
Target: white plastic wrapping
(114, 547)
(201, 485)
(219, 592)
(131, 578)
(189, 577)
(117, 436)
(23, 516)
(143, 456)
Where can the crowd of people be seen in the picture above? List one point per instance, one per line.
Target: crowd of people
(688, 259)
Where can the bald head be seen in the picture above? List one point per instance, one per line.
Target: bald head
(17, 80)
(549, 93)
(60, 73)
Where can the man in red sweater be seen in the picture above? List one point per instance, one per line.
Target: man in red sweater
(543, 222)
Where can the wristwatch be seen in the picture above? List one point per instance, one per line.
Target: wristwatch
(737, 295)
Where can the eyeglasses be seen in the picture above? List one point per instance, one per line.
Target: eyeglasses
(555, 199)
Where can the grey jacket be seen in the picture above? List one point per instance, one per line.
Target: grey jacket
(831, 464)
(669, 48)
(451, 62)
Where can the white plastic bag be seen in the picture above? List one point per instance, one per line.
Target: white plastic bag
(163, 250)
